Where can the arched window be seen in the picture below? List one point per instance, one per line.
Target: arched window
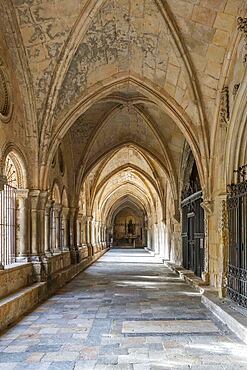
(8, 213)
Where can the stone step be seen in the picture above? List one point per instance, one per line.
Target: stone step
(17, 304)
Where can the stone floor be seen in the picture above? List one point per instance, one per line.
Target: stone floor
(127, 311)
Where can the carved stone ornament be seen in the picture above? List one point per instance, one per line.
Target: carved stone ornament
(5, 98)
(242, 27)
(3, 181)
(235, 89)
(207, 205)
(224, 106)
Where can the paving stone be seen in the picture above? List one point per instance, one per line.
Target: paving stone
(81, 327)
(85, 365)
(60, 356)
(108, 360)
(61, 366)
(13, 357)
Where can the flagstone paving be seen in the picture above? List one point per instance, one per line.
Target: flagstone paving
(127, 311)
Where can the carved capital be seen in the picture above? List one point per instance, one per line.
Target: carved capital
(43, 199)
(65, 212)
(207, 205)
(34, 198)
(3, 181)
(57, 209)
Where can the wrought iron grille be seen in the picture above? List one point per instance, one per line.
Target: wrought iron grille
(193, 233)
(7, 225)
(237, 222)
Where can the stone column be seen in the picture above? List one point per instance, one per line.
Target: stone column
(3, 181)
(155, 238)
(48, 207)
(100, 234)
(22, 197)
(41, 220)
(78, 231)
(73, 236)
(84, 228)
(35, 247)
(89, 235)
(210, 218)
(71, 228)
(57, 211)
(65, 215)
(149, 239)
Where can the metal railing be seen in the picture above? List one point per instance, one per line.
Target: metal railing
(7, 225)
(237, 223)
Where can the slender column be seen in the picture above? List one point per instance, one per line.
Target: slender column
(41, 219)
(57, 211)
(3, 181)
(22, 197)
(149, 237)
(100, 234)
(34, 198)
(48, 250)
(89, 235)
(65, 215)
(84, 232)
(79, 230)
(72, 228)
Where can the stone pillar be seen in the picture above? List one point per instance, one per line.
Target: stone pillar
(41, 220)
(78, 231)
(35, 247)
(71, 228)
(48, 207)
(3, 181)
(73, 236)
(101, 234)
(209, 219)
(149, 237)
(22, 197)
(89, 235)
(156, 238)
(57, 212)
(217, 250)
(65, 215)
(84, 232)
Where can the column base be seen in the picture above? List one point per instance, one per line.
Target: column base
(48, 254)
(75, 257)
(22, 259)
(35, 258)
(90, 250)
(56, 252)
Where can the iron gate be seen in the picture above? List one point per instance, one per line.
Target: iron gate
(193, 233)
(237, 223)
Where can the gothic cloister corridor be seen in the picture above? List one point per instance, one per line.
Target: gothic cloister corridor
(123, 184)
(127, 311)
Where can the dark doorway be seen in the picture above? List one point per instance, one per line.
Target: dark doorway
(193, 225)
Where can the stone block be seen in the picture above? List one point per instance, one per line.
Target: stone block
(216, 53)
(221, 38)
(224, 22)
(203, 15)
(214, 69)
